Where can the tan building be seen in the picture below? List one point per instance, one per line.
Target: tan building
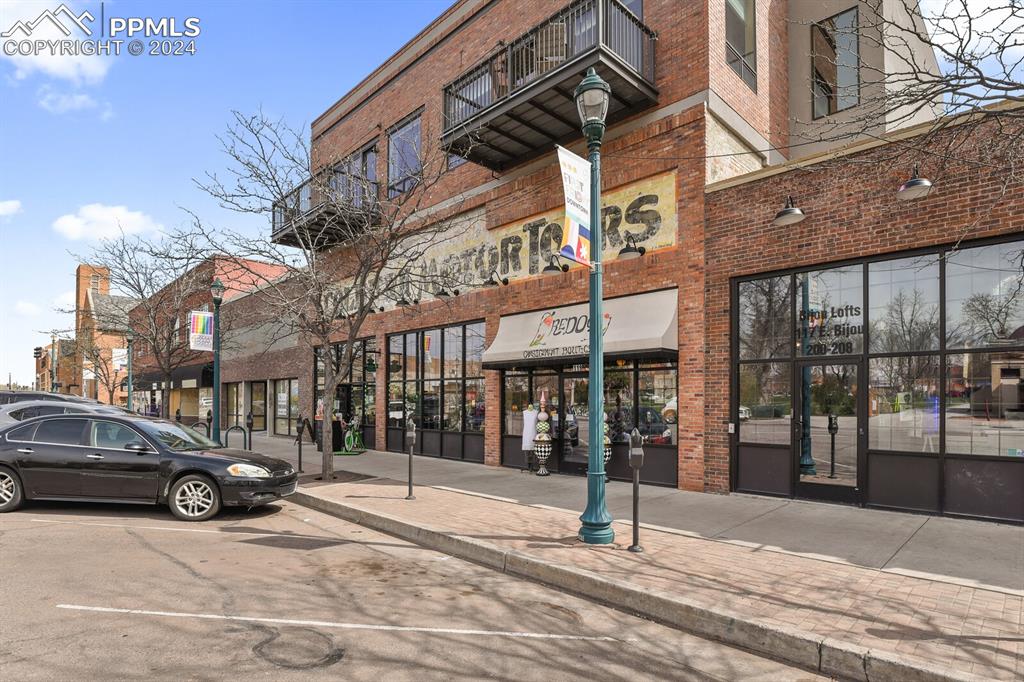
(101, 321)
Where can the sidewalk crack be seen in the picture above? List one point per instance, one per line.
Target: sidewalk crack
(900, 548)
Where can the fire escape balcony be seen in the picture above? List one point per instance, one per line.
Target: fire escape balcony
(518, 102)
(324, 213)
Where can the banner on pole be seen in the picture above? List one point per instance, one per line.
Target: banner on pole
(576, 228)
(200, 330)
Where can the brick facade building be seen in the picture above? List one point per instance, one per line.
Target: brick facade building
(695, 164)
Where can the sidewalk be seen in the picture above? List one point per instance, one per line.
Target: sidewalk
(735, 568)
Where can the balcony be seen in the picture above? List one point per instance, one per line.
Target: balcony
(518, 102)
(325, 213)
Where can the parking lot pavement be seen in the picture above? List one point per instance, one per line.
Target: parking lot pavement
(116, 592)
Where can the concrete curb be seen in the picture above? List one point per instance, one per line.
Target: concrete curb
(813, 652)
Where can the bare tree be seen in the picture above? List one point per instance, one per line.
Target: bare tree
(954, 66)
(164, 275)
(341, 248)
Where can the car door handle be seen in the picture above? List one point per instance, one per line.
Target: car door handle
(26, 451)
(94, 456)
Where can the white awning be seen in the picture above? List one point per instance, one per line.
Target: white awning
(644, 324)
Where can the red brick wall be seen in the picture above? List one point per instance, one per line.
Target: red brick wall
(851, 212)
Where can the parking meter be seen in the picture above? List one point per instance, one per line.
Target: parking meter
(410, 439)
(833, 429)
(636, 460)
(833, 424)
(636, 449)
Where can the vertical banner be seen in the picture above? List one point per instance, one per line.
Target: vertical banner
(200, 330)
(576, 185)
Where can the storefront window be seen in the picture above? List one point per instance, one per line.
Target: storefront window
(430, 407)
(658, 411)
(985, 296)
(474, 349)
(232, 409)
(348, 399)
(765, 309)
(258, 405)
(396, 404)
(903, 404)
(453, 405)
(432, 354)
(396, 358)
(985, 404)
(517, 398)
(830, 311)
(904, 299)
(476, 404)
(618, 405)
(286, 406)
(766, 403)
(453, 352)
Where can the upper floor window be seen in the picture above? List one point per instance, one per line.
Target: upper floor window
(94, 284)
(404, 157)
(740, 40)
(355, 178)
(835, 64)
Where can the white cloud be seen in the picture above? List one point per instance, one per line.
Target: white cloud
(9, 207)
(26, 309)
(62, 102)
(75, 68)
(65, 301)
(99, 221)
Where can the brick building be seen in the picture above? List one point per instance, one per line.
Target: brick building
(709, 99)
(101, 322)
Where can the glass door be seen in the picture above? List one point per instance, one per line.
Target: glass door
(575, 420)
(828, 431)
(258, 405)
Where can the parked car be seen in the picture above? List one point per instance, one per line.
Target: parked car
(107, 458)
(20, 411)
(8, 397)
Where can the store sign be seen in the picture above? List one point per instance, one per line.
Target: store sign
(200, 330)
(630, 324)
(645, 210)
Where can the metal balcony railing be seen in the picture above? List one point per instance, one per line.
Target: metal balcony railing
(315, 201)
(580, 27)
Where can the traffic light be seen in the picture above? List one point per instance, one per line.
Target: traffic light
(37, 352)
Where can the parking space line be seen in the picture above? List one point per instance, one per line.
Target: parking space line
(331, 624)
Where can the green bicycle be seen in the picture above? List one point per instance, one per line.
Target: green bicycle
(353, 437)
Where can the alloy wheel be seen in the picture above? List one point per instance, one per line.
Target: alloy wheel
(194, 498)
(8, 487)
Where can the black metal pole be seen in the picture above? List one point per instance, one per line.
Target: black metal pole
(410, 496)
(299, 441)
(832, 459)
(635, 547)
(410, 435)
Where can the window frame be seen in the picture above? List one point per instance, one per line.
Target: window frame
(406, 183)
(818, 25)
(750, 65)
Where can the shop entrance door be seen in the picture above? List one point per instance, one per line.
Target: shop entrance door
(828, 431)
(575, 420)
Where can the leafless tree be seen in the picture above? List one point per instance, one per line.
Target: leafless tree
(954, 66)
(164, 275)
(341, 247)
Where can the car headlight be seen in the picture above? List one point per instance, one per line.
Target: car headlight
(248, 470)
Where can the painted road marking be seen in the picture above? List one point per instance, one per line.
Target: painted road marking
(330, 624)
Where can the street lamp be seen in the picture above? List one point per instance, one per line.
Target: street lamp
(592, 96)
(130, 339)
(53, 363)
(217, 292)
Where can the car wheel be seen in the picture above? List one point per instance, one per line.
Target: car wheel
(194, 498)
(10, 490)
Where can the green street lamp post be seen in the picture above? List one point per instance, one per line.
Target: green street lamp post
(217, 292)
(53, 363)
(130, 339)
(592, 95)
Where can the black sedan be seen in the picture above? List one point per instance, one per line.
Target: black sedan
(103, 458)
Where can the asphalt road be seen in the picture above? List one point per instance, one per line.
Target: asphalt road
(122, 592)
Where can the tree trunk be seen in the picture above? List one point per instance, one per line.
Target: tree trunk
(327, 427)
(165, 397)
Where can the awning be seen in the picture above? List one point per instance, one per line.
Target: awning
(644, 324)
(189, 376)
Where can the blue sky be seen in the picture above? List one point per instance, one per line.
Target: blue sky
(92, 142)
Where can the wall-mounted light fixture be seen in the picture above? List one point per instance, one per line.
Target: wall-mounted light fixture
(914, 188)
(631, 251)
(555, 266)
(789, 215)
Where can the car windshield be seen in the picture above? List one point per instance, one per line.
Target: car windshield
(176, 436)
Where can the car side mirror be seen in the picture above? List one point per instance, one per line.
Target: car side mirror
(136, 446)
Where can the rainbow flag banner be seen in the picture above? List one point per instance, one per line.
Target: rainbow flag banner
(200, 330)
(576, 185)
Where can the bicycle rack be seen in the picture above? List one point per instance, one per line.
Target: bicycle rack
(206, 427)
(246, 436)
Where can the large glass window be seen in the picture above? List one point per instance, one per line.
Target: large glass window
(903, 404)
(658, 409)
(516, 399)
(355, 178)
(404, 164)
(766, 403)
(741, 40)
(232, 406)
(830, 311)
(904, 312)
(435, 376)
(835, 64)
(765, 311)
(985, 404)
(354, 396)
(258, 405)
(985, 296)
(619, 406)
(286, 406)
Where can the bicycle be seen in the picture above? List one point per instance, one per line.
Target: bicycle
(353, 437)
